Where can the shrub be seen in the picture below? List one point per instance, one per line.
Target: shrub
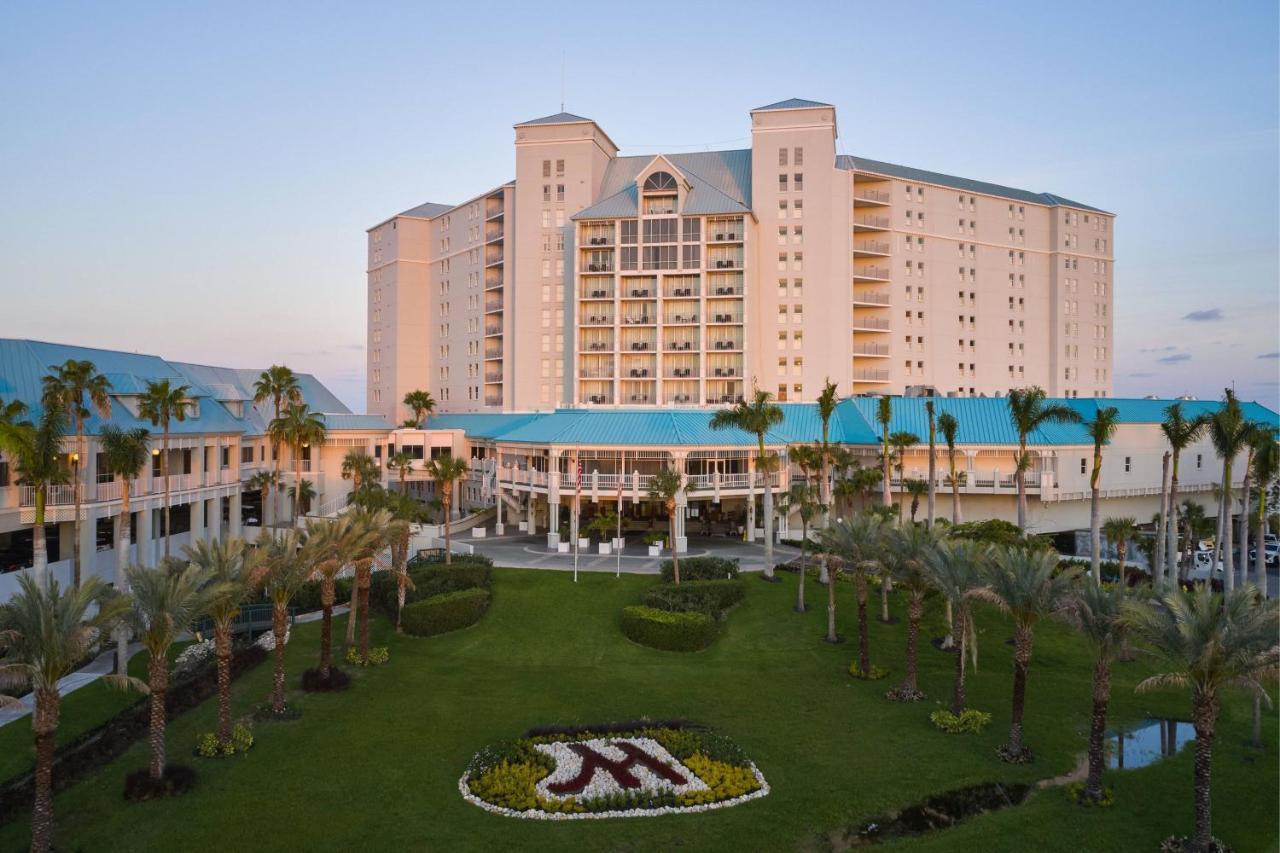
(308, 597)
(429, 580)
(969, 720)
(710, 597)
(1076, 793)
(875, 674)
(378, 655)
(314, 682)
(176, 781)
(701, 569)
(208, 746)
(440, 614)
(663, 629)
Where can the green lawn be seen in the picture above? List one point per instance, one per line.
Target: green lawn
(378, 766)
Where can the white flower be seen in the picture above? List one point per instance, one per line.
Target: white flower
(268, 640)
(193, 655)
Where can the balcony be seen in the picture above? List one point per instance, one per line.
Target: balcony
(727, 290)
(493, 232)
(725, 317)
(681, 372)
(871, 351)
(638, 293)
(870, 249)
(493, 281)
(598, 345)
(491, 329)
(595, 291)
(682, 344)
(490, 400)
(493, 255)
(870, 273)
(874, 298)
(639, 373)
(726, 344)
(492, 304)
(870, 223)
(864, 196)
(598, 268)
(493, 207)
(598, 320)
(639, 318)
(491, 351)
(724, 230)
(596, 372)
(493, 376)
(863, 323)
(870, 376)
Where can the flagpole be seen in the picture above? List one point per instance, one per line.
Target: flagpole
(617, 545)
(577, 507)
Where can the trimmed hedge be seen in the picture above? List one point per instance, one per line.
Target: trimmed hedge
(308, 597)
(430, 579)
(441, 614)
(710, 597)
(701, 569)
(672, 632)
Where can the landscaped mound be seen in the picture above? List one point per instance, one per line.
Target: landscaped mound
(667, 630)
(686, 617)
(617, 770)
(443, 613)
(442, 597)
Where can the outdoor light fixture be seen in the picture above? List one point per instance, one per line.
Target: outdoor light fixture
(155, 451)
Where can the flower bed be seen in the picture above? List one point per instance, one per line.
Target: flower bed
(602, 772)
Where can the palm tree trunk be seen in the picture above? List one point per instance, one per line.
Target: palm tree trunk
(831, 606)
(1020, 479)
(949, 640)
(159, 682)
(908, 691)
(1256, 739)
(222, 647)
(864, 638)
(297, 484)
(804, 567)
(76, 499)
(326, 626)
(353, 613)
(1095, 534)
(45, 727)
(1204, 712)
(1259, 543)
(768, 525)
(123, 522)
(1228, 558)
(446, 498)
(1098, 726)
(1021, 662)
(39, 549)
(957, 686)
(1157, 556)
(1171, 538)
(365, 579)
(164, 472)
(401, 558)
(933, 474)
(1244, 522)
(884, 597)
(279, 626)
(675, 557)
(886, 472)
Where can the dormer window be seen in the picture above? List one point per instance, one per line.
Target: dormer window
(235, 407)
(660, 182)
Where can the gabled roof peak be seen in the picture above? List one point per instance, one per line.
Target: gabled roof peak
(791, 104)
(558, 118)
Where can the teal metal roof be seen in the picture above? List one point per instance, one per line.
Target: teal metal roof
(24, 363)
(908, 173)
(791, 104)
(720, 182)
(982, 421)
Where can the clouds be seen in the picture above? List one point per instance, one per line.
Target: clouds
(1207, 315)
(1270, 355)
(1141, 375)
(1158, 349)
(1176, 358)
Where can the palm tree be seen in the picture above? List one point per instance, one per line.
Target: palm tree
(161, 404)
(884, 415)
(907, 550)
(1023, 584)
(858, 544)
(265, 482)
(302, 494)
(803, 499)
(1161, 523)
(1096, 611)
(65, 387)
(1029, 410)
(1230, 434)
(1181, 433)
(1252, 431)
(916, 488)
(404, 512)
(231, 574)
(899, 442)
(664, 488)
(1197, 524)
(331, 546)
(47, 633)
(403, 463)
(166, 600)
(446, 470)
(950, 427)
(298, 427)
(1119, 531)
(933, 460)
(1266, 467)
(281, 569)
(827, 402)
(380, 522)
(757, 417)
(125, 453)
(360, 468)
(956, 571)
(36, 451)
(1101, 429)
(1209, 642)
(422, 405)
(280, 385)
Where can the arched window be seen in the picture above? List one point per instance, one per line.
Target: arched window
(660, 181)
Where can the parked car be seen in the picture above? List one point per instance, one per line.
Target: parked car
(1270, 551)
(1202, 567)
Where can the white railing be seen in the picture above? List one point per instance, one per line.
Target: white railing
(61, 495)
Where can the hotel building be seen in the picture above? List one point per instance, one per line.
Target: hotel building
(594, 280)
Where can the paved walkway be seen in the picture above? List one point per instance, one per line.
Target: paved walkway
(531, 552)
(105, 664)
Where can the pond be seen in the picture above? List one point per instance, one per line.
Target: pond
(940, 811)
(1147, 742)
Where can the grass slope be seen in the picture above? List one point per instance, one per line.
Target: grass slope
(378, 766)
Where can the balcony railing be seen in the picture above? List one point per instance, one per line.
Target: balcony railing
(872, 247)
(872, 298)
(493, 376)
(871, 376)
(877, 222)
(867, 194)
(870, 273)
(871, 349)
(876, 323)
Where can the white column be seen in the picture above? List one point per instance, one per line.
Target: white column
(234, 529)
(146, 537)
(197, 519)
(88, 541)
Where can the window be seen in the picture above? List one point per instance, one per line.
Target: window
(798, 180)
(691, 257)
(691, 229)
(629, 230)
(660, 181)
(546, 192)
(782, 183)
(1084, 466)
(782, 209)
(559, 192)
(660, 230)
(1199, 461)
(797, 209)
(659, 257)
(782, 235)
(798, 158)
(628, 257)
(546, 168)
(782, 156)
(1128, 460)
(559, 168)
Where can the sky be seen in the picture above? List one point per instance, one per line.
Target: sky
(194, 180)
